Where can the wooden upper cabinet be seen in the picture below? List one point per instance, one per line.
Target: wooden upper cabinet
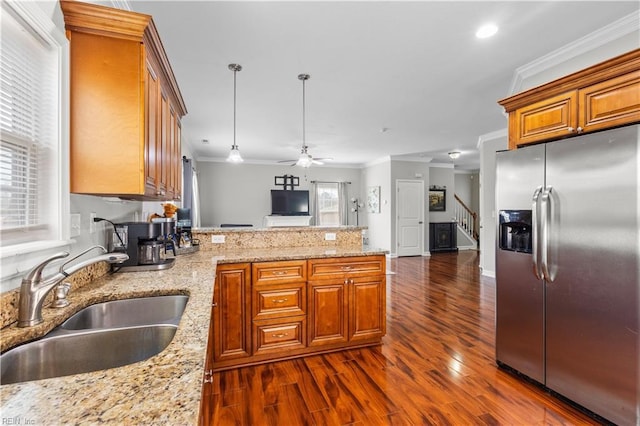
(554, 117)
(603, 96)
(121, 145)
(610, 103)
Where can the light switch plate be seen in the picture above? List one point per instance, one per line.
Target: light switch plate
(217, 239)
(75, 225)
(330, 236)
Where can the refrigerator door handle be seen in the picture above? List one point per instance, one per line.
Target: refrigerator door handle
(545, 219)
(537, 270)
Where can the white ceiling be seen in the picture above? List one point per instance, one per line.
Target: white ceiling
(413, 68)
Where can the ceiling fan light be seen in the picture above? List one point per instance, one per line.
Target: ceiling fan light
(454, 155)
(304, 160)
(234, 155)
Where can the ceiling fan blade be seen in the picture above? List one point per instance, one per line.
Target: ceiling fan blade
(287, 161)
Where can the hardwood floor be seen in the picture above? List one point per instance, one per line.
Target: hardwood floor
(435, 366)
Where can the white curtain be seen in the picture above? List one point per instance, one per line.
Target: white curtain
(343, 203)
(313, 200)
(323, 197)
(195, 201)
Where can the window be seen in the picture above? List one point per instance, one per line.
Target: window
(328, 204)
(29, 130)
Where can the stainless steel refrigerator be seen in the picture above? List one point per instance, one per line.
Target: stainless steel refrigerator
(568, 268)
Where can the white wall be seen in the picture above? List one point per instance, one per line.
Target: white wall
(379, 232)
(240, 193)
(489, 145)
(467, 188)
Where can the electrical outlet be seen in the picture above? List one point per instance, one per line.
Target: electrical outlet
(75, 225)
(92, 224)
(217, 239)
(330, 236)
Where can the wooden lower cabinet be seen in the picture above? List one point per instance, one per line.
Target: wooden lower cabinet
(270, 311)
(266, 311)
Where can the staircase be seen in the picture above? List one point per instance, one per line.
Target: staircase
(467, 221)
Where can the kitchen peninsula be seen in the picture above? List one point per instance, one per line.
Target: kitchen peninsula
(167, 388)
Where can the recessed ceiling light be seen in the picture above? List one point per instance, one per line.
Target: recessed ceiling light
(486, 31)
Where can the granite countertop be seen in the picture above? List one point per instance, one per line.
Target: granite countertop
(164, 389)
(206, 230)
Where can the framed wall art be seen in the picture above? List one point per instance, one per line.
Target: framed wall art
(373, 199)
(437, 200)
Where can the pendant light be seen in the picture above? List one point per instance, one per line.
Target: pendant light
(234, 155)
(305, 160)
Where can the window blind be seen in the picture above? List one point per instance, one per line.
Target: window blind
(28, 130)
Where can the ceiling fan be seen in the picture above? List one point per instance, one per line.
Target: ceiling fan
(305, 159)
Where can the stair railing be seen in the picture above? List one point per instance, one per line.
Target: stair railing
(466, 218)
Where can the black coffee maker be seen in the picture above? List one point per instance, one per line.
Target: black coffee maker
(144, 243)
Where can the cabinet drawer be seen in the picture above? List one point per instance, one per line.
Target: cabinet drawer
(274, 335)
(279, 300)
(279, 272)
(346, 266)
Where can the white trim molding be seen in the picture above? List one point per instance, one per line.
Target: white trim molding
(616, 30)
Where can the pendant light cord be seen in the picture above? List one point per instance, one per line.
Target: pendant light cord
(304, 130)
(304, 78)
(235, 71)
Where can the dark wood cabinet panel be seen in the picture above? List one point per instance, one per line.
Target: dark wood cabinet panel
(443, 236)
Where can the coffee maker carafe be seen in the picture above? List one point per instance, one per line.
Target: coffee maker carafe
(143, 242)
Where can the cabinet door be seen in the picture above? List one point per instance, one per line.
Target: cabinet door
(367, 310)
(151, 123)
(177, 158)
(328, 320)
(170, 163)
(163, 152)
(232, 312)
(611, 103)
(551, 118)
(207, 402)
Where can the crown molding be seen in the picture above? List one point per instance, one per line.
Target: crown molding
(121, 4)
(617, 29)
(497, 134)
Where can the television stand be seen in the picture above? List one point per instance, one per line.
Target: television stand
(275, 221)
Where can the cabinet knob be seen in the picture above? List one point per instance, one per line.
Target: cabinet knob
(579, 129)
(570, 129)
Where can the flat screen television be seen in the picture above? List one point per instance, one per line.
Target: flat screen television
(289, 202)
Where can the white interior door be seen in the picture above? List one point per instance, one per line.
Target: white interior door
(410, 217)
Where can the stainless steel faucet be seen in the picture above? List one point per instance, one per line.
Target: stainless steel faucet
(34, 288)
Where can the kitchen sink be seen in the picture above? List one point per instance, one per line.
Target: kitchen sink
(128, 312)
(58, 355)
(101, 336)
